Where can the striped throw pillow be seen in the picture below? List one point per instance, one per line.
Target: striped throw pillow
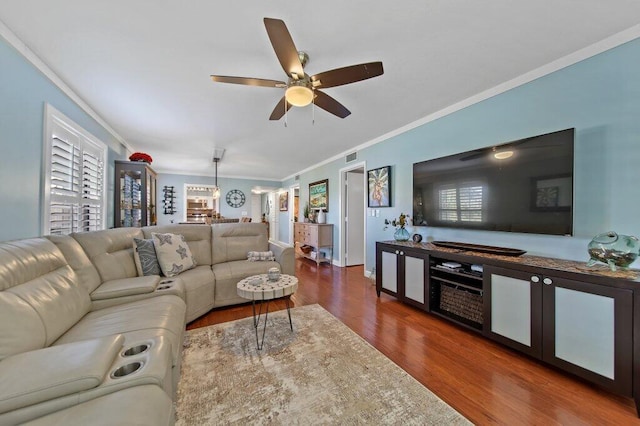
(257, 256)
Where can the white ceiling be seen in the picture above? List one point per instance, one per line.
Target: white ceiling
(144, 67)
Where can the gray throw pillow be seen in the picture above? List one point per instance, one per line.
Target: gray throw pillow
(145, 257)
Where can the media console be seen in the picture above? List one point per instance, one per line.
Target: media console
(561, 312)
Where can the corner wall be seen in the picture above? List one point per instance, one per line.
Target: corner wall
(24, 90)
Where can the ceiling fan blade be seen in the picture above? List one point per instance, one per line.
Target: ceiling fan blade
(346, 75)
(279, 110)
(248, 81)
(329, 104)
(284, 47)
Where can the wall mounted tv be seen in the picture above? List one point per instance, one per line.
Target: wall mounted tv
(520, 186)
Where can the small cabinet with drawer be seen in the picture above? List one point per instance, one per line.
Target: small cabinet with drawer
(314, 241)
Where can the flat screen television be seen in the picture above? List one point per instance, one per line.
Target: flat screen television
(520, 186)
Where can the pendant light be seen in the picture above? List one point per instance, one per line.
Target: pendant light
(217, 156)
(216, 189)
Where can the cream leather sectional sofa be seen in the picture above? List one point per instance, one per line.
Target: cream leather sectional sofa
(84, 340)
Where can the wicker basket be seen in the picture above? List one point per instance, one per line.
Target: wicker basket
(461, 303)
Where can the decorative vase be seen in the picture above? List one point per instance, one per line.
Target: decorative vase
(401, 234)
(613, 249)
(322, 217)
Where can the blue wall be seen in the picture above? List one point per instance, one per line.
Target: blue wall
(23, 94)
(599, 96)
(225, 184)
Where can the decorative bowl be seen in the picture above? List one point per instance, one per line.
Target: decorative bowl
(616, 250)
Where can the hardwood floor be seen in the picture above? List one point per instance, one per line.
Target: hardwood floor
(486, 382)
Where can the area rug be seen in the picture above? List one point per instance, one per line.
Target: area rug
(321, 373)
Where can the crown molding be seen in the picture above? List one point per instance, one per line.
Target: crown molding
(568, 60)
(212, 175)
(41, 66)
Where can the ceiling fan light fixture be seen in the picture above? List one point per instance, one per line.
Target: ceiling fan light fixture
(299, 95)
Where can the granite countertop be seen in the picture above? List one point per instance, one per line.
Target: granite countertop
(572, 266)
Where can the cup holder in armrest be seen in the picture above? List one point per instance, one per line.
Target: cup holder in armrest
(126, 370)
(165, 285)
(135, 350)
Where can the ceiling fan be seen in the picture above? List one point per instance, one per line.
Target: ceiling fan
(302, 89)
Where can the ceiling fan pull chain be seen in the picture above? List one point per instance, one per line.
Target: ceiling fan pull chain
(313, 111)
(286, 114)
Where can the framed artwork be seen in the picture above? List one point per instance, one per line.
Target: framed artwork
(551, 193)
(379, 183)
(284, 201)
(319, 195)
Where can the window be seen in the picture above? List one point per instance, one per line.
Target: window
(461, 201)
(74, 173)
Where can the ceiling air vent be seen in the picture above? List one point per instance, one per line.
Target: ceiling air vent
(352, 157)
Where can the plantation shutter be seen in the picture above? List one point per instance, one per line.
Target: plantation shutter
(75, 191)
(91, 218)
(65, 185)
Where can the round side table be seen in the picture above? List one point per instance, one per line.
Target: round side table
(259, 288)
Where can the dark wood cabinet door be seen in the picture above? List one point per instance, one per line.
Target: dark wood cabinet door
(387, 280)
(588, 331)
(513, 309)
(403, 273)
(414, 271)
(134, 195)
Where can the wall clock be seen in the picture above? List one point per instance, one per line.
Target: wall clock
(235, 198)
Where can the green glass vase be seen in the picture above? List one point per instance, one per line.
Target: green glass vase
(401, 234)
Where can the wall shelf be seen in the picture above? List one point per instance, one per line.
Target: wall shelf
(169, 197)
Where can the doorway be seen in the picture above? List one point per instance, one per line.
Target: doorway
(353, 215)
(199, 204)
(294, 209)
(272, 216)
(256, 207)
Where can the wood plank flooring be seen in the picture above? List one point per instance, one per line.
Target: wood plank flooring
(486, 382)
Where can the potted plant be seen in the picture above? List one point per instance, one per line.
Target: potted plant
(306, 212)
(400, 223)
